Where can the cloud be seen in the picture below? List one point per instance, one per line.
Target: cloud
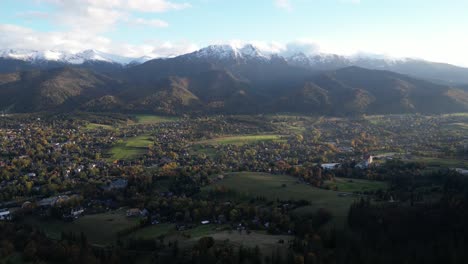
(283, 4)
(30, 15)
(154, 5)
(82, 24)
(18, 37)
(151, 6)
(307, 47)
(102, 15)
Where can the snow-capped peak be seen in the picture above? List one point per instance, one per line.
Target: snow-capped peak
(236, 53)
(250, 51)
(218, 51)
(31, 55)
(223, 52)
(370, 56)
(35, 56)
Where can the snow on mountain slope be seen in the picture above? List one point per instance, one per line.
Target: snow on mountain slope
(35, 56)
(217, 52)
(251, 54)
(230, 52)
(30, 55)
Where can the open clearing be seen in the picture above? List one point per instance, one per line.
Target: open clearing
(442, 162)
(358, 185)
(266, 243)
(270, 186)
(100, 229)
(168, 229)
(153, 231)
(154, 119)
(92, 126)
(240, 140)
(130, 148)
(460, 125)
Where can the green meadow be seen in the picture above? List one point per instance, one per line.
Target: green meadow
(130, 148)
(241, 140)
(283, 187)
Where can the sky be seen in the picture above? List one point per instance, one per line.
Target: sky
(435, 30)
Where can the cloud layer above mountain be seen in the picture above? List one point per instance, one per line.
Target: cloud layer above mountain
(164, 28)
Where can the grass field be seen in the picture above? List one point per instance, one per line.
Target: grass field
(358, 185)
(91, 126)
(270, 187)
(153, 231)
(154, 119)
(204, 230)
(457, 114)
(240, 140)
(460, 125)
(130, 148)
(266, 243)
(100, 229)
(442, 162)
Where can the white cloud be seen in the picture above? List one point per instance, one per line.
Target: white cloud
(154, 5)
(102, 15)
(82, 23)
(136, 5)
(283, 4)
(76, 39)
(302, 45)
(17, 37)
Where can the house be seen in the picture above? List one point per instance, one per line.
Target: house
(27, 205)
(74, 214)
(144, 212)
(46, 202)
(77, 212)
(134, 212)
(368, 159)
(53, 201)
(79, 169)
(117, 184)
(462, 171)
(165, 160)
(5, 215)
(330, 166)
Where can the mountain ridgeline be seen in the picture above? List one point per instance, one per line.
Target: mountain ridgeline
(221, 79)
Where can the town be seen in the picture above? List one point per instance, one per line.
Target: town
(180, 178)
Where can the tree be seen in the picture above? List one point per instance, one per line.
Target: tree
(6, 248)
(30, 251)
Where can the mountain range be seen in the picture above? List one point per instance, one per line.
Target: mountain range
(224, 79)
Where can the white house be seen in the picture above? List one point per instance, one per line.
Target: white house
(330, 166)
(368, 159)
(5, 215)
